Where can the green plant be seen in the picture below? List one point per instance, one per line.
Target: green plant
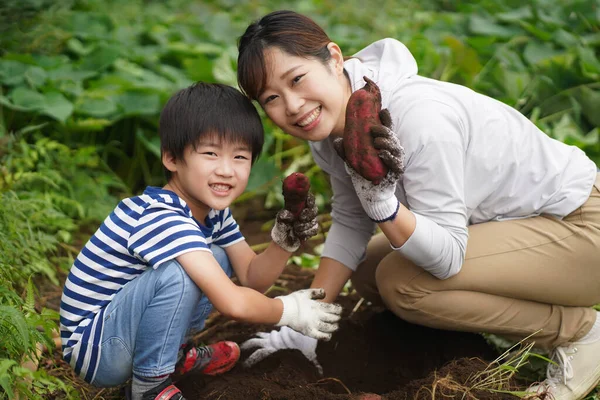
(23, 332)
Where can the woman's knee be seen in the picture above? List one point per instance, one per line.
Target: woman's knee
(401, 286)
(363, 279)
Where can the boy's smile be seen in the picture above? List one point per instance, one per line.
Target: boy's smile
(211, 176)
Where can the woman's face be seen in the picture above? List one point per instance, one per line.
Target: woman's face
(304, 97)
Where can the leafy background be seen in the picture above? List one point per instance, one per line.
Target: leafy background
(82, 83)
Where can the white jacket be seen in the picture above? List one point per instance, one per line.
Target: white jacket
(469, 159)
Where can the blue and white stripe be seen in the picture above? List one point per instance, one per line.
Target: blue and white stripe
(142, 232)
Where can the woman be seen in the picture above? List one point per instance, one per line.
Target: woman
(488, 225)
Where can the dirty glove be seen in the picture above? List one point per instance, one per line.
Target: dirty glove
(303, 313)
(289, 231)
(379, 201)
(286, 338)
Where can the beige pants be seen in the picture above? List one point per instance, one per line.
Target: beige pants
(518, 277)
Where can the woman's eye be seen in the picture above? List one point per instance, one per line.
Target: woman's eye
(297, 79)
(269, 99)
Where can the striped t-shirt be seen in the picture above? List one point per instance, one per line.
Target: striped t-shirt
(142, 232)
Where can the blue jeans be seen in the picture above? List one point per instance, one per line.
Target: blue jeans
(149, 319)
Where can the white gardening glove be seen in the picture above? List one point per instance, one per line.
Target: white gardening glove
(286, 338)
(379, 201)
(304, 313)
(289, 232)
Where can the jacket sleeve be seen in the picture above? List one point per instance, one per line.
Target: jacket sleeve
(351, 228)
(433, 181)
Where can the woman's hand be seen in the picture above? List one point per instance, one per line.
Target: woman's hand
(379, 201)
(285, 338)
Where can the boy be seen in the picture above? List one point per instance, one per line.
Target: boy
(149, 276)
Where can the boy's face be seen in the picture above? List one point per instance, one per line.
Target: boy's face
(212, 175)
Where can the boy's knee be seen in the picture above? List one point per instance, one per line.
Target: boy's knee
(221, 256)
(175, 278)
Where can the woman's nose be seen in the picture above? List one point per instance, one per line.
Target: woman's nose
(293, 105)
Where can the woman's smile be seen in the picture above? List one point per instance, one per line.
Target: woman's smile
(310, 120)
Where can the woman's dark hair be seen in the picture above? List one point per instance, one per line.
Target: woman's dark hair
(291, 32)
(208, 110)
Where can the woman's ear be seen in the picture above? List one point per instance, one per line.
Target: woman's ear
(337, 58)
(169, 161)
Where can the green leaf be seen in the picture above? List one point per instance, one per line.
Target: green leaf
(516, 15)
(464, 57)
(139, 103)
(13, 318)
(89, 124)
(68, 73)
(199, 69)
(35, 76)
(590, 65)
(96, 107)
(7, 103)
(536, 52)
(223, 70)
(77, 47)
(100, 58)
(220, 28)
(515, 83)
(264, 171)
(5, 382)
(152, 144)
(87, 24)
(487, 27)
(536, 31)
(12, 73)
(187, 49)
(590, 104)
(27, 99)
(57, 106)
(565, 39)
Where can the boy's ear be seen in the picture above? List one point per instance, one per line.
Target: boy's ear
(169, 161)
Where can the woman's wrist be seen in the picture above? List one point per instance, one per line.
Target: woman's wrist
(382, 210)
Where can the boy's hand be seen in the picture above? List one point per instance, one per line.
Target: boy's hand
(304, 313)
(289, 232)
(285, 338)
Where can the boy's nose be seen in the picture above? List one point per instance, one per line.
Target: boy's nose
(225, 168)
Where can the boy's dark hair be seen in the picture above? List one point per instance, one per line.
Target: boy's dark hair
(205, 109)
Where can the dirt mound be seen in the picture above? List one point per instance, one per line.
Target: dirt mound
(372, 352)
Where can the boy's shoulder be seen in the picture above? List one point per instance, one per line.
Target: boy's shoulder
(156, 197)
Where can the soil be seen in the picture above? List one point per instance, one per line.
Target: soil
(374, 354)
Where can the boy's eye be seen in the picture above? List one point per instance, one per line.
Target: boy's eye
(241, 157)
(209, 153)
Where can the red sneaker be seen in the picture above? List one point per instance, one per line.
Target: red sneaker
(213, 359)
(164, 391)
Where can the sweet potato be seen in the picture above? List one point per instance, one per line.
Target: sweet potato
(362, 112)
(295, 191)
